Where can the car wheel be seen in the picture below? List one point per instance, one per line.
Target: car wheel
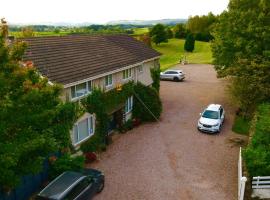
(100, 187)
(219, 129)
(176, 79)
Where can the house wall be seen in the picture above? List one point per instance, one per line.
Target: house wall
(143, 77)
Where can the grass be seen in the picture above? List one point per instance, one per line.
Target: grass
(174, 49)
(241, 125)
(40, 34)
(140, 31)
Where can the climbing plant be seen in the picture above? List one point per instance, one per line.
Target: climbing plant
(102, 103)
(155, 74)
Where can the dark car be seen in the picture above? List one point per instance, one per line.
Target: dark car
(82, 185)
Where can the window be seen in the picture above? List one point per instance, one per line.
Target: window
(81, 89)
(83, 129)
(210, 114)
(140, 68)
(129, 104)
(108, 80)
(77, 190)
(126, 73)
(221, 111)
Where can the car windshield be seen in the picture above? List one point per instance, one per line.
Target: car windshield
(210, 114)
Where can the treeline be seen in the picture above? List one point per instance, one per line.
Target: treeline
(42, 30)
(199, 26)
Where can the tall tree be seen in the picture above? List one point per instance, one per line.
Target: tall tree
(180, 31)
(189, 43)
(201, 26)
(169, 33)
(158, 34)
(241, 50)
(33, 120)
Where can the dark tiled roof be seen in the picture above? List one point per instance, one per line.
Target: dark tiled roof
(67, 59)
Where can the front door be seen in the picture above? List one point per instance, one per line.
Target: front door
(112, 123)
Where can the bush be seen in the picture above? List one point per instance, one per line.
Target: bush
(93, 144)
(128, 125)
(90, 157)
(257, 154)
(241, 125)
(150, 98)
(189, 43)
(65, 163)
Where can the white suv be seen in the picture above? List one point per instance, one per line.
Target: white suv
(211, 119)
(175, 75)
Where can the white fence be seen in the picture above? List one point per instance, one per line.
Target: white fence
(241, 179)
(261, 182)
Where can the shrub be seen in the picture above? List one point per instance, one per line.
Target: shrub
(241, 125)
(65, 163)
(93, 144)
(128, 125)
(90, 157)
(149, 96)
(189, 43)
(155, 74)
(257, 154)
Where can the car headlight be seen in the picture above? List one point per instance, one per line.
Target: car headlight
(216, 124)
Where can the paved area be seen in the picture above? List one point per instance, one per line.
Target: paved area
(171, 160)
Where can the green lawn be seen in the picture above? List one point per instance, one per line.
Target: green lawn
(140, 31)
(174, 49)
(40, 34)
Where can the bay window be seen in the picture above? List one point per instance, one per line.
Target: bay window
(83, 130)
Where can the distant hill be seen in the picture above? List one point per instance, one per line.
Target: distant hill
(148, 22)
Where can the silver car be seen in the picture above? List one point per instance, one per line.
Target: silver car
(173, 74)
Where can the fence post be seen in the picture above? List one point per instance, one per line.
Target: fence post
(242, 187)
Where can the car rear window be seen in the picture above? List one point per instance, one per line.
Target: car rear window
(210, 114)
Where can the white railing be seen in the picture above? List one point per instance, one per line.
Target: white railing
(241, 179)
(261, 182)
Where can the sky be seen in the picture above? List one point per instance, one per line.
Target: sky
(102, 11)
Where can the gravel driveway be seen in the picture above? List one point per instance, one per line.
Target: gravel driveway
(171, 160)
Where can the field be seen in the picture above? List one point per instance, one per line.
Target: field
(174, 50)
(140, 31)
(40, 34)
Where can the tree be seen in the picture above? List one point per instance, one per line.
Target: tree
(201, 26)
(33, 120)
(189, 43)
(241, 50)
(169, 33)
(27, 32)
(158, 34)
(145, 38)
(180, 31)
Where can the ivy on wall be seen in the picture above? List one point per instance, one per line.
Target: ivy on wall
(103, 103)
(155, 74)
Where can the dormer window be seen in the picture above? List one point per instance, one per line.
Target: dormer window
(81, 90)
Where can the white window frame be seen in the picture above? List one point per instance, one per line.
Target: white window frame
(127, 74)
(110, 83)
(88, 90)
(91, 130)
(129, 105)
(140, 68)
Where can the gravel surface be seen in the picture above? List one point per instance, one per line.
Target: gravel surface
(171, 160)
